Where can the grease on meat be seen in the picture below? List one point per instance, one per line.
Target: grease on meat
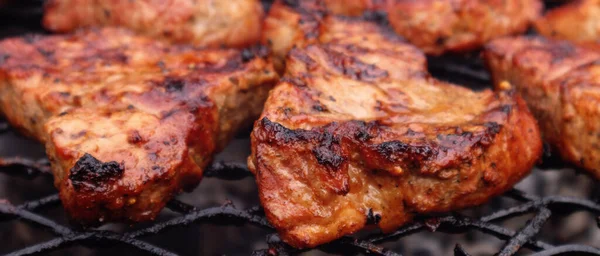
(357, 133)
(128, 122)
(561, 84)
(438, 26)
(577, 21)
(232, 23)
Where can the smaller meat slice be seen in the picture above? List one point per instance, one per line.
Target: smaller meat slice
(128, 121)
(434, 26)
(438, 26)
(577, 21)
(561, 84)
(357, 134)
(232, 23)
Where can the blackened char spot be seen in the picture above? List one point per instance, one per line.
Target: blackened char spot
(441, 40)
(89, 170)
(379, 17)
(492, 127)
(173, 84)
(327, 157)
(373, 218)
(247, 55)
(415, 154)
(326, 140)
(366, 131)
(319, 108)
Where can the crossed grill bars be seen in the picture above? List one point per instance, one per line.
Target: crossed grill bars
(465, 71)
(229, 214)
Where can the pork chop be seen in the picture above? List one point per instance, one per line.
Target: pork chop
(358, 134)
(128, 122)
(439, 26)
(561, 84)
(577, 21)
(232, 23)
(433, 26)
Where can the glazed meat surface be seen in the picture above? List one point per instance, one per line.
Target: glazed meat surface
(355, 7)
(438, 26)
(232, 23)
(434, 26)
(357, 133)
(128, 122)
(578, 21)
(561, 84)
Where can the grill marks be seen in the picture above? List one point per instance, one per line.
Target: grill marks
(428, 152)
(353, 68)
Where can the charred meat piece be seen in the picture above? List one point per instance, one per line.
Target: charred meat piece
(232, 23)
(561, 84)
(578, 21)
(128, 122)
(357, 133)
(438, 26)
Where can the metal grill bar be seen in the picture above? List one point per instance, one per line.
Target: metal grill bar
(460, 69)
(228, 214)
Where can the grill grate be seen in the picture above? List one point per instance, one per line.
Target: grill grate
(228, 214)
(465, 70)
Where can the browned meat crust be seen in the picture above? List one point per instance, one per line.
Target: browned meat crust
(356, 133)
(233, 23)
(128, 121)
(438, 26)
(434, 26)
(561, 84)
(355, 7)
(294, 24)
(578, 21)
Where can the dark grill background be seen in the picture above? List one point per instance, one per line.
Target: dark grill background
(552, 211)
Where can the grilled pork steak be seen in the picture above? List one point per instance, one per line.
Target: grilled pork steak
(578, 21)
(438, 26)
(561, 84)
(128, 122)
(201, 22)
(434, 26)
(357, 133)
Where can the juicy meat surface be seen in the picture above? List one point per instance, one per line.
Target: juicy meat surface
(357, 133)
(232, 23)
(577, 21)
(561, 84)
(127, 121)
(432, 25)
(438, 26)
(355, 7)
